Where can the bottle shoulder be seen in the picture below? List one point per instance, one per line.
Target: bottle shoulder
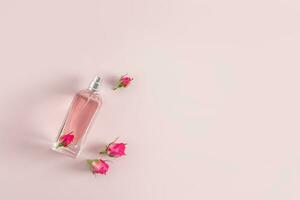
(86, 93)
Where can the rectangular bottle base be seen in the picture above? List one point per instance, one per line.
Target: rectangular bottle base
(69, 151)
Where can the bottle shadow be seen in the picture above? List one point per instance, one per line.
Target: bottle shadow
(25, 137)
(28, 140)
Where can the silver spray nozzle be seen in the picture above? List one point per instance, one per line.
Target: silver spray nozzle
(95, 84)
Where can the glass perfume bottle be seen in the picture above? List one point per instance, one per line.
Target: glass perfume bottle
(73, 133)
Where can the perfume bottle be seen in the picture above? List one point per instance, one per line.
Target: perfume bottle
(73, 133)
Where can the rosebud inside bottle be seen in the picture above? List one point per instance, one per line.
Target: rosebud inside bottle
(73, 133)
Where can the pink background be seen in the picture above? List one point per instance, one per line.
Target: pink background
(213, 112)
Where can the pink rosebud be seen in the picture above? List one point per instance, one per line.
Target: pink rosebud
(124, 82)
(98, 166)
(115, 149)
(65, 140)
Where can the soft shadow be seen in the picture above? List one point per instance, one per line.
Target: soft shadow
(27, 141)
(23, 135)
(64, 86)
(95, 148)
(111, 80)
(78, 165)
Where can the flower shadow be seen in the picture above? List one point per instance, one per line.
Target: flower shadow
(111, 80)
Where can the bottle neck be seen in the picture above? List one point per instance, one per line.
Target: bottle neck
(92, 90)
(95, 84)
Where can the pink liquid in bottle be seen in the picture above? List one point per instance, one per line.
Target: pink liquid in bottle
(82, 111)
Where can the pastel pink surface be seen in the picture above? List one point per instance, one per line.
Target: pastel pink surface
(212, 112)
